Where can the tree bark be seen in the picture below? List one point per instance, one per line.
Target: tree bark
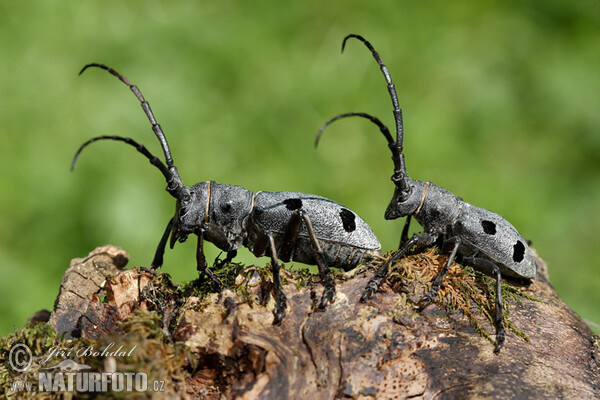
(381, 349)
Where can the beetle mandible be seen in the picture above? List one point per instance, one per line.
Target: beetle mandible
(480, 238)
(288, 226)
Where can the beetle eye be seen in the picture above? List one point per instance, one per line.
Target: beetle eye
(226, 207)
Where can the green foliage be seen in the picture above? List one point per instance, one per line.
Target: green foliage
(500, 104)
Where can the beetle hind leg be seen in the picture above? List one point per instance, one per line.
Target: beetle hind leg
(324, 271)
(492, 270)
(280, 299)
(288, 245)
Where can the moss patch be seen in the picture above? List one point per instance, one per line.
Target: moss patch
(140, 346)
(463, 289)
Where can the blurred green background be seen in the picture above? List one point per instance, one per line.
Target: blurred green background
(501, 105)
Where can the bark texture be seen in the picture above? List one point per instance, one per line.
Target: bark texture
(381, 349)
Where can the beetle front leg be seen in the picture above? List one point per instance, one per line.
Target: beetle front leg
(404, 236)
(435, 287)
(160, 249)
(201, 265)
(492, 270)
(418, 239)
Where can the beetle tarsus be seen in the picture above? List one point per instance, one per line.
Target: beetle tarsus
(328, 297)
(219, 264)
(279, 310)
(370, 290)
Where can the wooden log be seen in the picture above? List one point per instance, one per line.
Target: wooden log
(381, 349)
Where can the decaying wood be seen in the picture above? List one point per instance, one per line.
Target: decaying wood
(378, 350)
(82, 283)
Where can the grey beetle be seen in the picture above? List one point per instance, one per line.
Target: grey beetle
(479, 237)
(283, 225)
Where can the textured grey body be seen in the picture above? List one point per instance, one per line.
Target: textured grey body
(232, 216)
(345, 243)
(483, 233)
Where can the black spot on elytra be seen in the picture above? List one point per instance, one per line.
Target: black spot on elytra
(489, 227)
(293, 204)
(518, 251)
(348, 220)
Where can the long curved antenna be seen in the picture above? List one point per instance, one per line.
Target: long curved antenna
(390, 85)
(139, 147)
(400, 177)
(384, 129)
(145, 106)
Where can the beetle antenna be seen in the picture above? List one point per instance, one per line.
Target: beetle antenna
(175, 186)
(145, 106)
(384, 129)
(139, 147)
(400, 177)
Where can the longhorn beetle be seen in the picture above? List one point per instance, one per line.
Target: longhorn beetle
(479, 237)
(283, 225)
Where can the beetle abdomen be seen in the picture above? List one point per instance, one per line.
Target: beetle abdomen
(488, 234)
(345, 238)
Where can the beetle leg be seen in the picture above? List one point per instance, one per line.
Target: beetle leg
(491, 269)
(435, 287)
(324, 272)
(230, 256)
(290, 237)
(260, 244)
(280, 299)
(404, 236)
(160, 249)
(419, 239)
(201, 265)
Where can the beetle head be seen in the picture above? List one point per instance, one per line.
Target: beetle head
(401, 206)
(216, 211)
(229, 208)
(190, 211)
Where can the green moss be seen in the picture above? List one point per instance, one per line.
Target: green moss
(203, 285)
(463, 290)
(40, 338)
(143, 344)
